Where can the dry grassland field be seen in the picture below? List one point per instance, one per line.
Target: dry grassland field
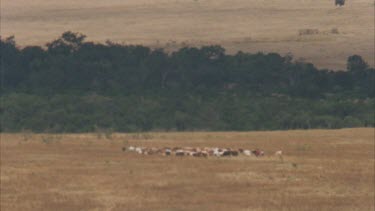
(322, 170)
(247, 25)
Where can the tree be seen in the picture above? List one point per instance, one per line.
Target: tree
(356, 63)
(67, 43)
(12, 74)
(339, 2)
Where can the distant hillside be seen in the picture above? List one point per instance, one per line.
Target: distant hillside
(247, 25)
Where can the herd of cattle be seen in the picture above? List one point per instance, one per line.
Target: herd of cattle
(195, 151)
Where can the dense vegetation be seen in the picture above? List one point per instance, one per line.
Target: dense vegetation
(77, 86)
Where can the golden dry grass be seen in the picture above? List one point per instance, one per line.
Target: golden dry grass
(322, 170)
(248, 25)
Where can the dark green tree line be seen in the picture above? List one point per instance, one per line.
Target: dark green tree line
(74, 85)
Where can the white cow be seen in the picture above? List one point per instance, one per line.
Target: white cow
(139, 150)
(247, 152)
(280, 155)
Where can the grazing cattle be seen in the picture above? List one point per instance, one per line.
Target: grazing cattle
(196, 152)
(258, 152)
(217, 152)
(205, 154)
(234, 153)
(247, 152)
(149, 152)
(280, 155)
(167, 152)
(226, 153)
(179, 152)
(191, 153)
(138, 150)
(200, 154)
(176, 148)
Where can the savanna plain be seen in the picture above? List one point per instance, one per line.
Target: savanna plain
(320, 170)
(248, 25)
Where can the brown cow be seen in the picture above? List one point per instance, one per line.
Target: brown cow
(234, 153)
(226, 153)
(179, 153)
(258, 152)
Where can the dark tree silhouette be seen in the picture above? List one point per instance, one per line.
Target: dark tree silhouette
(339, 2)
(356, 63)
(78, 86)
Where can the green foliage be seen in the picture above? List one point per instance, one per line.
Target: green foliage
(220, 112)
(78, 86)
